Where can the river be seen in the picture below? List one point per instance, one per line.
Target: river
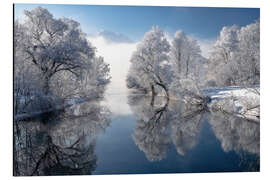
(129, 133)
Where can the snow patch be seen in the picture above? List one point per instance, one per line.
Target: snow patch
(243, 101)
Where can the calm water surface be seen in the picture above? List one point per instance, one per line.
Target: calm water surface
(135, 134)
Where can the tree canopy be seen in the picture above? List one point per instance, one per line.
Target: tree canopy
(54, 45)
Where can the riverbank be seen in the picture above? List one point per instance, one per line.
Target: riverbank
(59, 107)
(242, 101)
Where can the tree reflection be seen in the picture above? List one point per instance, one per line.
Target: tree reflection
(239, 135)
(236, 133)
(161, 122)
(186, 128)
(150, 133)
(64, 146)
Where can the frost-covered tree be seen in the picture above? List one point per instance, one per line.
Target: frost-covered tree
(235, 58)
(188, 66)
(96, 77)
(186, 55)
(54, 45)
(221, 57)
(92, 83)
(26, 76)
(149, 63)
(248, 56)
(54, 60)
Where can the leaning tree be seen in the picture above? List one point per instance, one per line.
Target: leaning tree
(149, 63)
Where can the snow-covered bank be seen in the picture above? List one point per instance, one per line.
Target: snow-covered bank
(67, 104)
(243, 101)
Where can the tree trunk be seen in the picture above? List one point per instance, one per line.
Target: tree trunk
(164, 88)
(187, 64)
(153, 90)
(152, 101)
(46, 85)
(179, 62)
(153, 94)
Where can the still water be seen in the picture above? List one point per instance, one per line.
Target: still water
(127, 134)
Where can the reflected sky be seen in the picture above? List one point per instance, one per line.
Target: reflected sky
(118, 56)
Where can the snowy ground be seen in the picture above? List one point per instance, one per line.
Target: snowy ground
(71, 103)
(237, 100)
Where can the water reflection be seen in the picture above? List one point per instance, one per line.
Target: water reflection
(236, 133)
(161, 124)
(239, 135)
(186, 130)
(150, 133)
(59, 145)
(174, 137)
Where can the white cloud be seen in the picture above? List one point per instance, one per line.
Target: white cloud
(112, 37)
(118, 56)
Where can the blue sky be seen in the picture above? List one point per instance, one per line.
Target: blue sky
(134, 21)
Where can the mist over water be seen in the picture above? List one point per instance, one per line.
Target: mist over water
(118, 56)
